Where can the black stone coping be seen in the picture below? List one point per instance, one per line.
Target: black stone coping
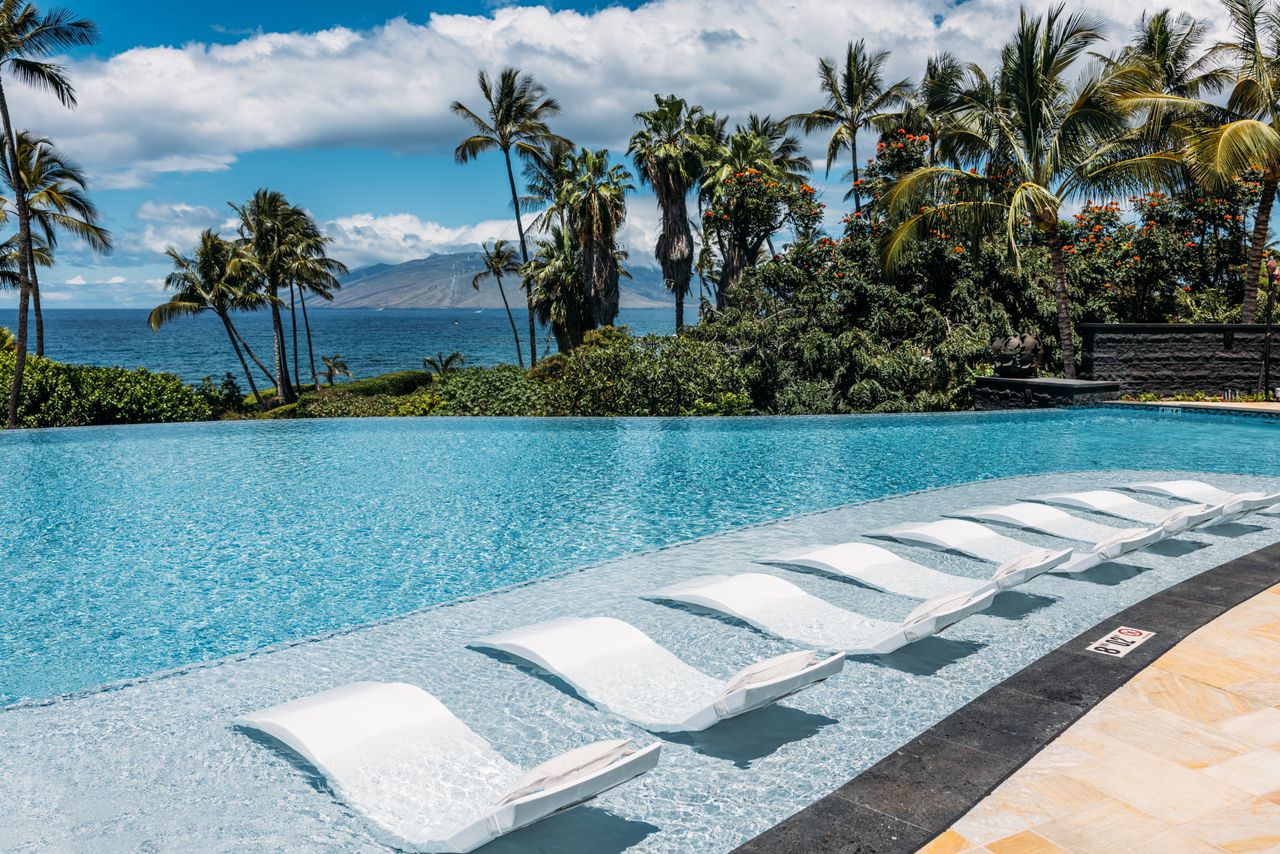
(916, 793)
(1053, 384)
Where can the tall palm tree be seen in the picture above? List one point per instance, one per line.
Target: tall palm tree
(1036, 140)
(855, 98)
(334, 366)
(207, 282)
(499, 260)
(53, 190)
(1168, 48)
(789, 164)
(560, 298)
(1245, 135)
(27, 39)
(932, 101)
(668, 151)
(595, 200)
(514, 119)
(310, 270)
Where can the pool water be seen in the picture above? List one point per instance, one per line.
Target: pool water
(124, 551)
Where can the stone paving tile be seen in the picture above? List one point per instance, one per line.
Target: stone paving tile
(1252, 826)
(1257, 772)
(1027, 842)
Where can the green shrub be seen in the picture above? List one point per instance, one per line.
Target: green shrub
(425, 402)
(61, 395)
(339, 404)
(395, 384)
(504, 390)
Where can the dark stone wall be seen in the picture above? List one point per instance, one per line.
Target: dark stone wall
(1167, 358)
(1042, 393)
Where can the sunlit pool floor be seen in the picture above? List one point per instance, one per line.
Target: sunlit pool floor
(155, 766)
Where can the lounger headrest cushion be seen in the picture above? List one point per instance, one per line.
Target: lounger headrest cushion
(566, 767)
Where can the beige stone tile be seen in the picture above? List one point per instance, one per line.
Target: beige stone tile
(1174, 841)
(1273, 797)
(1252, 826)
(947, 843)
(1270, 631)
(1157, 786)
(1002, 813)
(1257, 772)
(1027, 842)
(1111, 826)
(1177, 738)
(1190, 698)
(1261, 727)
(1208, 666)
(1264, 692)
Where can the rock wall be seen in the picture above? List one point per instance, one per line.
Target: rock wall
(1039, 393)
(1167, 358)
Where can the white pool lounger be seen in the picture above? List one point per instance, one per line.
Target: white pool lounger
(1103, 542)
(1022, 560)
(1108, 502)
(881, 569)
(1234, 504)
(619, 669)
(779, 608)
(424, 778)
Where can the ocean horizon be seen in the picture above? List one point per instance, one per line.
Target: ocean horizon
(371, 341)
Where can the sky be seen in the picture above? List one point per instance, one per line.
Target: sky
(185, 107)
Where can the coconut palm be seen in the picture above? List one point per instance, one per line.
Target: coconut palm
(1245, 135)
(53, 190)
(1036, 140)
(668, 151)
(334, 366)
(208, 282)
(789, 165)
(932, 101)
(312, 271)
(545, 176)
(596, 206)
(559, 296)
(441, 366)
(856, 97)
(499, 260)
(27, 38)
(514, 119)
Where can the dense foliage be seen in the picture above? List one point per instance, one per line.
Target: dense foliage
(60, 395)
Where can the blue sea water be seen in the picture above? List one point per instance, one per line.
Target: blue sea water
(372, 342)
(129, 550)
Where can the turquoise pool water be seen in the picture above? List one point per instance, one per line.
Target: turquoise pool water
(131, 550)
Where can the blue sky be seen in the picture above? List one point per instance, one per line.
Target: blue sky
(343, 106)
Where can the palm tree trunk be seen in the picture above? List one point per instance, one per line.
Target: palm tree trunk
(512, 320)
(1254, 269)
(1066, 334)
(248, 375)
(256, 360)
(293, 320)
(524, 255)
(35, 307)
(679, 312)
(284, 388)
(853, 146)
(311, 351)
(24, 267)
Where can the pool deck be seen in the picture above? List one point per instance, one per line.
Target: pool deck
(1181, 758)
(1268, 408)
(1138, 744)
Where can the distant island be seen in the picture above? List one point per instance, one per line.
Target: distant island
(444, 281)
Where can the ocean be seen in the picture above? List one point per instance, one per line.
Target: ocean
(372, 342)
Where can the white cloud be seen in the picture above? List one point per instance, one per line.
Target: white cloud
(77, 280)
(178, 225)
(364, 239)
(196, 108)
(114, 280)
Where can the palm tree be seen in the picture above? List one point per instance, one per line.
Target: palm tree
(595, 201)
(441, 366)
(789, 165)
(856, 98)
(1035, 140)
(53, 188)
(310, 270)
(931, 102)
(334, 366)
(559, 296)
(668, 151)
(516, 113)
(499, 260)
(6, 340)
(545, 176)
(27, 39)
(208, 282)
(1245, 135)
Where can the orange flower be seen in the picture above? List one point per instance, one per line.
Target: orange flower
(959, 250)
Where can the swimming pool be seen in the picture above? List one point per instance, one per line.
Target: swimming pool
(131, 550)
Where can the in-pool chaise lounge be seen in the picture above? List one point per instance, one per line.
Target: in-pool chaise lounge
(779, 608)
(1109, 502)
(1103, 542)
(1198, 491)
(619, 669)
(423, 777)
(881, 569)
(978, 541)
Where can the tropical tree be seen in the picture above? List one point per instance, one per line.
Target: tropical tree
(786, 159)
(931, 102)
(441, 366)
(1037, 137)
(6, 340)
(514, 119)
(27, 39)
(312, 271)
(499, 260)
(559, 296)
(856, 97)
(209, 282)
(668, 151)
(545, 176)
(334, 366)
(1245, 134)
(54, 192)
(596, 206)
